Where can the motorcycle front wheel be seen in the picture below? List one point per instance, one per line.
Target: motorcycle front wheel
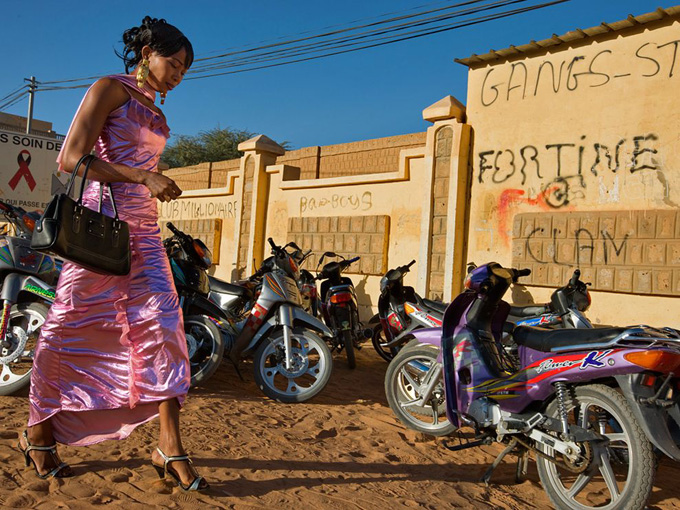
(408, 376)
(205, 346)
(612, 475)
(308, 374)
(16, 352)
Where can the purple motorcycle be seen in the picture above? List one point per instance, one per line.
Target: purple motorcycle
(591, 404)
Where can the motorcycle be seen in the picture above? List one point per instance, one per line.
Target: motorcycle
(400, 312)
(423, 410)
(339, 306)
(28, 279)
(592, 404)
(292, 363)
(207, 326)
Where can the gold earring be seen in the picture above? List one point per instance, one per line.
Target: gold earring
(162, 97)
(142, 72)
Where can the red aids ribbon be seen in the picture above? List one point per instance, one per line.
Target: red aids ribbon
(23, 172)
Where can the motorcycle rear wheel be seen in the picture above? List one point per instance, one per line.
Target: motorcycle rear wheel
(378, 340)
(205, 346)
(620, 474)
(313, 363)
(406, 378)
(25, 321)
(348, 344)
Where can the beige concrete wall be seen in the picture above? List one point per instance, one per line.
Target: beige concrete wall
(584, 133)
(381, 209)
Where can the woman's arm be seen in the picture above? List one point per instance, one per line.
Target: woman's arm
(103, 97)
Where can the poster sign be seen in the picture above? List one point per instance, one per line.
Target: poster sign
(28, 170)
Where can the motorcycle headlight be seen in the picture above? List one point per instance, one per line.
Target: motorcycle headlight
(203, 253)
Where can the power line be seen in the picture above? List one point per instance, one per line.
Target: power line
(374, 34)
(349, 40)
(453, 26)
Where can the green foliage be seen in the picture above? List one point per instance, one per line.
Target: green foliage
(214, 145)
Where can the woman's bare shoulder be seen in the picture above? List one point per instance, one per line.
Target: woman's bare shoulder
(108, 92)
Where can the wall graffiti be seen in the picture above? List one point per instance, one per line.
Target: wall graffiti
(354, 202)
(517, 81)
(585, 247)
(557, 160)
(189, 210)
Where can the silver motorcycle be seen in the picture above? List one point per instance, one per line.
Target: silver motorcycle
(292, 363)
(28, 280)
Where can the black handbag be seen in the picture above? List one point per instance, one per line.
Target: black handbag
(91, 239)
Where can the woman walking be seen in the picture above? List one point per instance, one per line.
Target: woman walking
(112, 354)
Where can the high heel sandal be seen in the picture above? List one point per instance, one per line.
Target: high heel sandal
(163, 470)
(56, 472)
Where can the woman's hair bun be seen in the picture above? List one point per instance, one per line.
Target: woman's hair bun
(159, 35)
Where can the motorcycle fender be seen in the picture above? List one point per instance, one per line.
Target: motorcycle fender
(206, 307)
(375, 320)
(653, 419)
(431, 336)
(300, 316)
(296, 316)
(15, 283)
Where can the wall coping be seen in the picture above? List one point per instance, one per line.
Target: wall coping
(402, 174)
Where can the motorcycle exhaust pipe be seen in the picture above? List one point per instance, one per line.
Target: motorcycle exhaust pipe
(367, 333)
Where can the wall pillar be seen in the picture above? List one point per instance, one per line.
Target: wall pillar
(443, 252)
(259, 152)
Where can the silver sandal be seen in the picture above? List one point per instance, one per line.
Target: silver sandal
(163, 471)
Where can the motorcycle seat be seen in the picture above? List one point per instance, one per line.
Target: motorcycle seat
(545, 340)
(528, 310)
(435, 305)
(221, 287)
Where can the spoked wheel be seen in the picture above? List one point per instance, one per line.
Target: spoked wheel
(308, 374)
(205, 345)
(17, 349)
(612, 475)
(378, 339)
(414, 386)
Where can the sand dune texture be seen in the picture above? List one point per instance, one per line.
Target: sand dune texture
(343, 450)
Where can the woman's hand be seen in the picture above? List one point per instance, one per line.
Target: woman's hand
(161, 187)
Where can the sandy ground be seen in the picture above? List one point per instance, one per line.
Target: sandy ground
(343, 450)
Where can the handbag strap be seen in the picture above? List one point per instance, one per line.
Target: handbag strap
(72, 180)
(90, 159)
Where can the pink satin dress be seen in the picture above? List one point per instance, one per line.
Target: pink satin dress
(113, 347)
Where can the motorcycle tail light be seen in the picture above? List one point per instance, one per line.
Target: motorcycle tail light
(29, 222)
(341, 297)
(657, 360)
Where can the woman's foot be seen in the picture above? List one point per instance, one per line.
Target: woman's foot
(42, 453)
(181, 469)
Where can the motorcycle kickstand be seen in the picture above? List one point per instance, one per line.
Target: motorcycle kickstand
(487, 476)
(522, 465)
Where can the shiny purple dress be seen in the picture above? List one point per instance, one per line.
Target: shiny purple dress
(113, 347)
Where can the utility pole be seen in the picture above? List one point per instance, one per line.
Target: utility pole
(31, 94)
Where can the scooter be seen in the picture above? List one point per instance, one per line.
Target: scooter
(339, 306)
(591, 404)
(28, 284)
(400, 312)
(428, 415)
(292, 363)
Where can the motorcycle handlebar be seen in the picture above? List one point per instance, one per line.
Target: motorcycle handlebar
(519, 273)
(575, 277)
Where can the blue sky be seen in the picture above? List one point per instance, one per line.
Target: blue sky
(367, 94)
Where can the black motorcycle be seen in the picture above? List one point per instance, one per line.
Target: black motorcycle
(339, 306)
(205, 323)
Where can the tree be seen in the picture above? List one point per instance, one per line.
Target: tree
(214, 145)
